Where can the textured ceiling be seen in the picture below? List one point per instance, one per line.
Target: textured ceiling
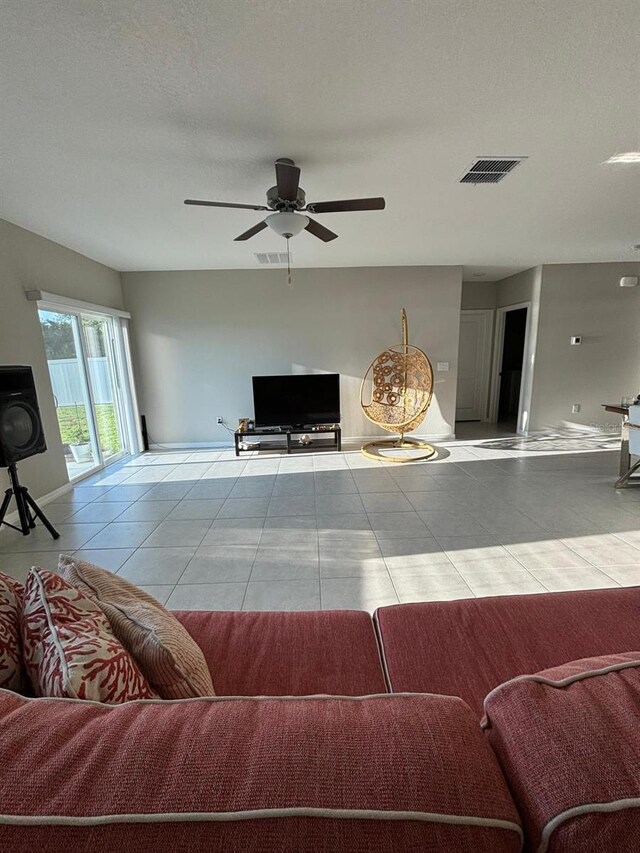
(113, 112)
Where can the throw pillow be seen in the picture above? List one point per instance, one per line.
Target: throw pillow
(11, 669)
(70, 650)
(165, 652)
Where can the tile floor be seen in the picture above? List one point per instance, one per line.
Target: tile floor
(334, 530)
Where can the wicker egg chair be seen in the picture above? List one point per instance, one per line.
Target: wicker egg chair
(395, 394)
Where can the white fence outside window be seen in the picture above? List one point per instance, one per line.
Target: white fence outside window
(67, 383)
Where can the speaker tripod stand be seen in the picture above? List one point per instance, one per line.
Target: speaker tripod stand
(27, 507)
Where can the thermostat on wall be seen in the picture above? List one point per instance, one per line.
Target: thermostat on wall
(576, 340)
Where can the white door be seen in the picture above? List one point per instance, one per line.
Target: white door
(474, 355)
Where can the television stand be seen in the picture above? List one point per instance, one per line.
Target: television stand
(317, 443)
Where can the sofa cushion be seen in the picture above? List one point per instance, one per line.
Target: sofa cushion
(467, 647)
(288, 654)
(69, 648)
(169, 658)
(568, 741)
(316, 774)
(11, 667)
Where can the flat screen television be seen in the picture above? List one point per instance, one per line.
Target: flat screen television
(301, 399)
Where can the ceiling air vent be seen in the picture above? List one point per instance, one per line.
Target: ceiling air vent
(490, 170)
(270, 257)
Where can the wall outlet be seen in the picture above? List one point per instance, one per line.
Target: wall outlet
(442, 366)
(575, 408)
(220, 420)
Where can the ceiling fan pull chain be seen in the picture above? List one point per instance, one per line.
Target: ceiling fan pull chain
(288, 263)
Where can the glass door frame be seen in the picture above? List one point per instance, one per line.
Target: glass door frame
(115, 382)
(78, 340)
(120, 369)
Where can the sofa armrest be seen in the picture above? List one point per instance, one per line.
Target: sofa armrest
(568, 742)
(322, 773)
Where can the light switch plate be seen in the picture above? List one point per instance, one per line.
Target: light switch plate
(442, 366)
(575, 408)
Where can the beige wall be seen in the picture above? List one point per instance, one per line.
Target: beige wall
(200, 336)
(585, 299)
(29, 262)
(516, 288)
(479, 296)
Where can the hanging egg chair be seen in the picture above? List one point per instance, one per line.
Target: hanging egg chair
(395, 394)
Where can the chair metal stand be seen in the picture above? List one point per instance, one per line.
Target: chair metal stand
(374, 449)
(27, 507)
(623, 481)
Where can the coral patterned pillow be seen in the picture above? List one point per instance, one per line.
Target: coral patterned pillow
(166, 653)
(11, 669)
(70, 650)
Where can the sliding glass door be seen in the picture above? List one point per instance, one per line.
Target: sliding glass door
(85, 367)
(98, 338)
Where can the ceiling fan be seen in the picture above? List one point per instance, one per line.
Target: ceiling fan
(287, 199)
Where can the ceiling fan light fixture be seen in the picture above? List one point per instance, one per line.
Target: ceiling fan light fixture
(287, 224)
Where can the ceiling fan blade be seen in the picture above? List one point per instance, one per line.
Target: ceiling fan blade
(287, 180)
(319, 231)
(252, 231)
(346, 204)
(225, 204)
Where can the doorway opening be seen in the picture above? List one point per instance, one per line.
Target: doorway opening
(515, 326)
(512, 329)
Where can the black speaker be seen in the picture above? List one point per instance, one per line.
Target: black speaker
(21, 433)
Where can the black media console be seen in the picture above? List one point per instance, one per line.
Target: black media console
(313, 432)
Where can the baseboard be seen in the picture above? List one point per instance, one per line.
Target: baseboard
(448, 436)
(565, 429)
(55, 494)
(216, 445)
(191, 445)
(14, 518)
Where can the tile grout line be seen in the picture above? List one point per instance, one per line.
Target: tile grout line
(255, 556)
(490, 484)
(189, 561)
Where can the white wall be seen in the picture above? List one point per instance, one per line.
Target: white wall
(585, 299)
(199, 337)
(30, 262)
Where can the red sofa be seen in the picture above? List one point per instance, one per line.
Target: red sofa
(335, 732)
